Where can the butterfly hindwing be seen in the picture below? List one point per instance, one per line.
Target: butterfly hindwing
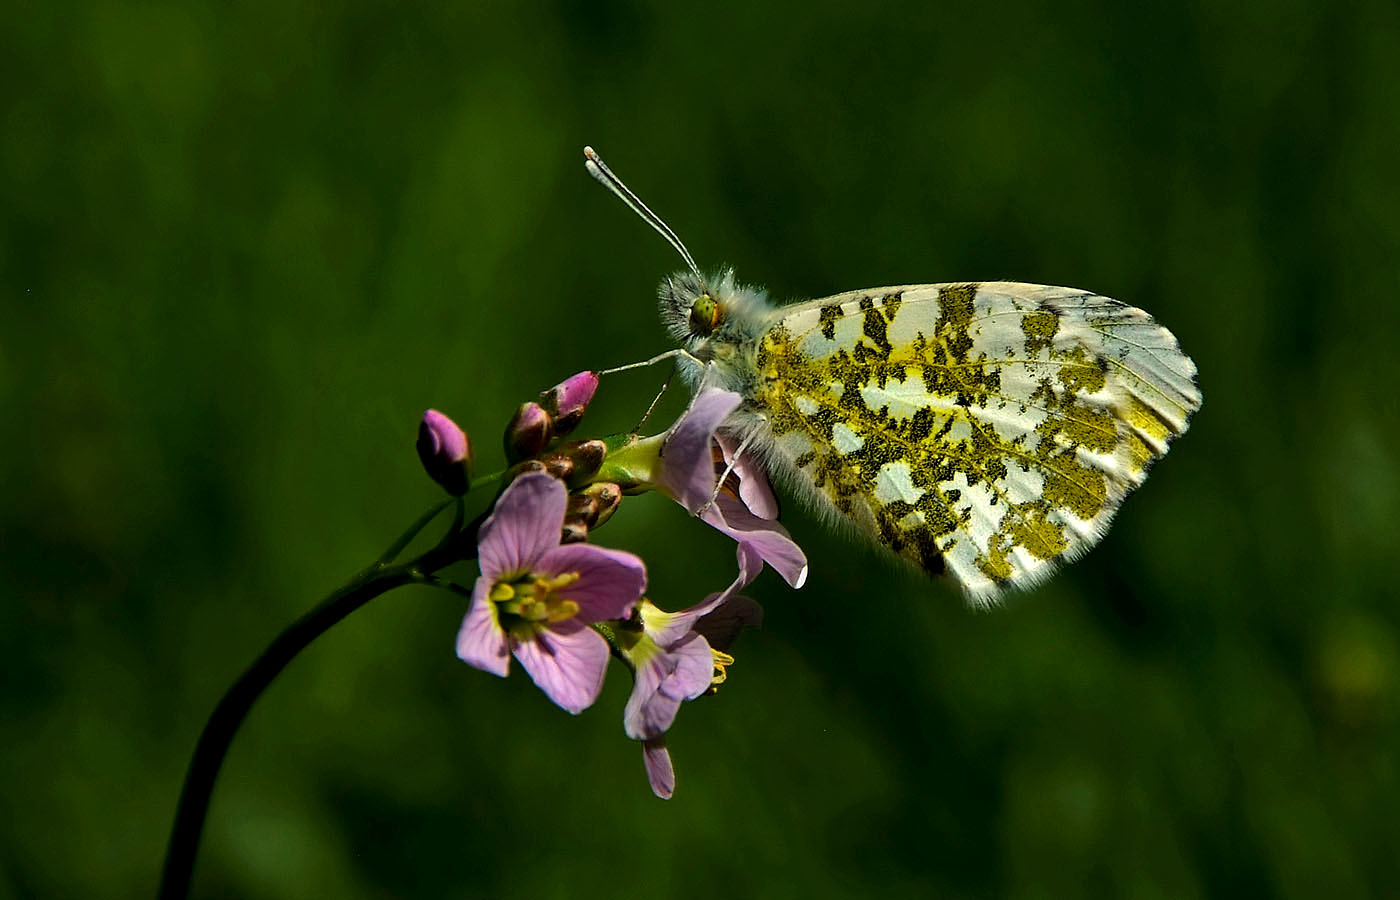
(987, 430)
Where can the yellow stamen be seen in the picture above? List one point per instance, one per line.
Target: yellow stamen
(535, 598)
(562, 580)
(722, 660)
(561, 610)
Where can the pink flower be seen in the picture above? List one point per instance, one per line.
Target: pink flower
(677, 657)
(536, 598)
(688, 474)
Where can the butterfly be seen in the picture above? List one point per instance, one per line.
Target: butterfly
(982, 430)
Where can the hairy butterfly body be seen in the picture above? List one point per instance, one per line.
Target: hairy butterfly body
(983, 430)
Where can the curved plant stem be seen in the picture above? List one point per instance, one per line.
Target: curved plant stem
(458, 544)
(407, 537)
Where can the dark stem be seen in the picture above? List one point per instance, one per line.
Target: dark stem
(460, 543)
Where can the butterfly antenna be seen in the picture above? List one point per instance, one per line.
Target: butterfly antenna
(599, 170)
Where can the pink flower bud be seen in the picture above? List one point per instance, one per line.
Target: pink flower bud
(566, 401)
(446, 452)
(528, 433)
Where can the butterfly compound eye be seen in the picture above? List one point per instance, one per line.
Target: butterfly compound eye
(704, 315)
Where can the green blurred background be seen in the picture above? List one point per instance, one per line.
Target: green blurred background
(243, 246)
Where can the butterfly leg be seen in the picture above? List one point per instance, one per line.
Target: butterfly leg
(678, 353)
(728, 469)
(637, 429)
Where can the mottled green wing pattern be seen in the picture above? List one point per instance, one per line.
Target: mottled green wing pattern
(983, 430)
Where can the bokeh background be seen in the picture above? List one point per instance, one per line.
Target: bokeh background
(243, 246)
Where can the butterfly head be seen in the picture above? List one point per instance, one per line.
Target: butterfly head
(699, 311)
(690, 309)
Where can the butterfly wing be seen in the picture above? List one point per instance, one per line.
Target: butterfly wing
(986, 430)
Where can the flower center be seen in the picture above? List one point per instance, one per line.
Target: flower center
(533, 600)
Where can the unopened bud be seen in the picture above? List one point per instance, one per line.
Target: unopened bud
(567, 401)
(559, 466)
(605, 497)
(587, 456)
(573, 533)
(446, 452)
(528, 433)
(524, 468)
(582, 508)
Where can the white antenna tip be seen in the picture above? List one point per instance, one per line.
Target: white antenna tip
(599, 170)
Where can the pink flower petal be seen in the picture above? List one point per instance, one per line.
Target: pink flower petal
(663, 681)
(567, 660)
(481, 641)
(609, 581)
(754, 489)
(666, 629)
(767, 538)
(642, 717)
(524, 526)
(660, 772)
(750, 564)
(695, 669)
(688, 471)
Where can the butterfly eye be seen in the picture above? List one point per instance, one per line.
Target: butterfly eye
(704, 314)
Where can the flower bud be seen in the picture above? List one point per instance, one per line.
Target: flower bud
(581, 508)
(587, 456)
(573, 533)
(528, 433)
(566, 401)
(558, 466)
(445, 451)
(605, 497)
(523, 468)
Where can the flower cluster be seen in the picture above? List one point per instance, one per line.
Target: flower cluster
(562, 606)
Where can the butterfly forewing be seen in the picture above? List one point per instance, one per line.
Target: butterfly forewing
(986, 430)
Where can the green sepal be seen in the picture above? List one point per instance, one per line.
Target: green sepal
(632, 462)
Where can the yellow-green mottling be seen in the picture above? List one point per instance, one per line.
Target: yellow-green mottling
(959, 385)
(1148, 421)
(1040, 329)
